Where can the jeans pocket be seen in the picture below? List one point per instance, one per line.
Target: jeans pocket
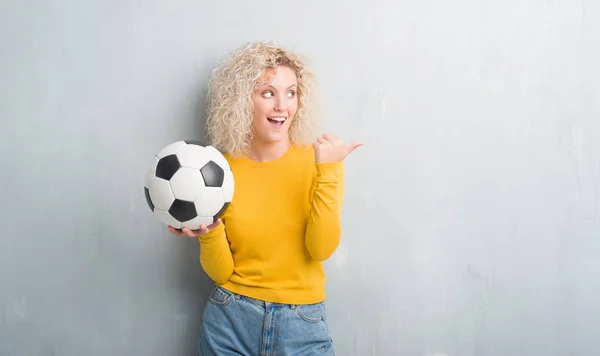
(312, 313)
(220, 296)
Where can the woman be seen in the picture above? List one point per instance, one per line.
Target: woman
(265, 254)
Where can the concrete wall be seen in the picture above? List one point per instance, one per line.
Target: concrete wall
(472, 216)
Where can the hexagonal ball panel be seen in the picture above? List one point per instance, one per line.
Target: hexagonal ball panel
(167, 218)
(170, 149)
(187, 183)
(193, 156)
(161, 194)
(195, 223)
(218, 157)
(213, 174)
(167, 166)
(209, 202)
(228, 186)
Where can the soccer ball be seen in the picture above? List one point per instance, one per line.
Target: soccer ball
(188, 184)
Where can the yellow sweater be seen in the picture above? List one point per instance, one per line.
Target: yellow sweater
(283, 221)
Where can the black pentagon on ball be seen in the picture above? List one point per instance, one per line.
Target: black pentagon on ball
(167, 166)
(183, 210)
(148, 200)
(220, 213)
(195, 142)
(213, 174)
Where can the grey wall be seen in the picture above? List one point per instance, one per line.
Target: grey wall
(472, 216)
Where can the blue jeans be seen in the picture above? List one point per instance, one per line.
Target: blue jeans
(233, 324)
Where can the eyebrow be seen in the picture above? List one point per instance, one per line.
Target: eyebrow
(269, 85)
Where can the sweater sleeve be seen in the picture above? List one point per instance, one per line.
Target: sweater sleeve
(215, 255)
(323, 230)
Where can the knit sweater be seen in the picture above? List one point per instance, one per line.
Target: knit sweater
(282, 223)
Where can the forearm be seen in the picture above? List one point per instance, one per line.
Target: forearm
(323, 230)
(215, 255)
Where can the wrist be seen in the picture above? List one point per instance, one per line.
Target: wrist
(331, 170)
(212, 233)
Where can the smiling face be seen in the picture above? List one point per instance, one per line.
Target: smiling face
(275, 103)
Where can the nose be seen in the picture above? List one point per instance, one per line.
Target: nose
(280, 103)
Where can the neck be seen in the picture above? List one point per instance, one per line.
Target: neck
(267, 151)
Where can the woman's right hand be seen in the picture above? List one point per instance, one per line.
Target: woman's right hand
(204, 229)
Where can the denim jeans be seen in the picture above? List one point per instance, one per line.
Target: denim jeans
(233, 324)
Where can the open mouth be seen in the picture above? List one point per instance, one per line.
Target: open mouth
(277, 121)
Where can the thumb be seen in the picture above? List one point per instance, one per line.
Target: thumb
(354, 146)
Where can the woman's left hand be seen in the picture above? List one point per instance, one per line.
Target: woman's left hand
(330, 148)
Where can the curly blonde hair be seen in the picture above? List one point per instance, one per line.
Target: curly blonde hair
(230, 90)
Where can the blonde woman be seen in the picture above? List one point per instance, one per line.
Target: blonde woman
(265, 255)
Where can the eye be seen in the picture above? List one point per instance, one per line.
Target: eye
(291, 94)
(268, 94)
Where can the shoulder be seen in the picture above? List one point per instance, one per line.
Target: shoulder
(232, 158)
(305, 151)
(303, 157)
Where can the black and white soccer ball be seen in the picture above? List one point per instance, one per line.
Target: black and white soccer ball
(189, 184)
